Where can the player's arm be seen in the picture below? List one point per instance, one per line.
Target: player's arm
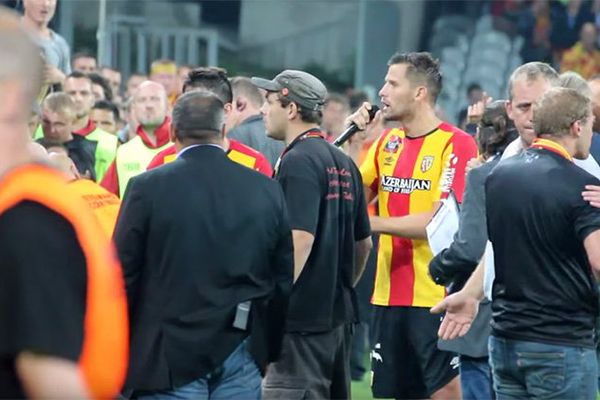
(410, 226)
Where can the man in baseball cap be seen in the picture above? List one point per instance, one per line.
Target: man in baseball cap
(331, 233)
(298, 86)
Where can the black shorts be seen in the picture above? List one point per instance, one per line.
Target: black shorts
(405, 360)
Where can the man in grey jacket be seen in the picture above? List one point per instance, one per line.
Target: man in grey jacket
(248, 125)
(453, 266)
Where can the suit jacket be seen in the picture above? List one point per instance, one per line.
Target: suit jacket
(196, 237)
(455, 264)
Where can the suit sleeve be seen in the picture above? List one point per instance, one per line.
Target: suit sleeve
(130, 236)
(468, 246)
(110, 181)
(457, 154)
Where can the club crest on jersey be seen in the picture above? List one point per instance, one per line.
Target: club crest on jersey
(393, 144)
(392, 184)
(426, 163)
(388, 161)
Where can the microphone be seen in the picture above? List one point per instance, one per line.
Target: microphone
(352, 129)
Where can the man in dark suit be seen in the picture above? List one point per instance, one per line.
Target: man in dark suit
(207, 255)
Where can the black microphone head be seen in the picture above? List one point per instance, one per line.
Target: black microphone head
(372, 112)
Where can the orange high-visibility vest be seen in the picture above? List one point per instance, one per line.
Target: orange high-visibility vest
(104, 354)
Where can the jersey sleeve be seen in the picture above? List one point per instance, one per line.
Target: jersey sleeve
(263, 166)
(460, 149)
(110, 181)
(369, 168)
(156, 162)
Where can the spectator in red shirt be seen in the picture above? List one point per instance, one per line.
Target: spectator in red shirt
(215, 80)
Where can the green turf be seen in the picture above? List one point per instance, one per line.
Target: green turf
(362, 390)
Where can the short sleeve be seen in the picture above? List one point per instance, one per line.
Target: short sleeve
(586, 218)
(460, 149)
(362, 226)
(302, 190)
(42, 283)
(369, 169)
(263, 166)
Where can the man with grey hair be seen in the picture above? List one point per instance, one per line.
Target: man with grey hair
(526, 85)
(558, 240)
(150, 107)
(207, 255)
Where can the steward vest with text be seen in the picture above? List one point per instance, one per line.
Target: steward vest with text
(104, 354)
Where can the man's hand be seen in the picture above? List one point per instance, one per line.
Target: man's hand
(475, 111)
(361, 117)
(592, 195)
(53, 75)
(461, 309)
(473, 163)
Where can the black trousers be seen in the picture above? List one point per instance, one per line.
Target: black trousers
(312, 366)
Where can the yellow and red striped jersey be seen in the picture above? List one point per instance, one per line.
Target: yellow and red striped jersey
(238, 152)
(410, 175)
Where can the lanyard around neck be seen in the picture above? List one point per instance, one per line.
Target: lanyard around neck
(312, 133)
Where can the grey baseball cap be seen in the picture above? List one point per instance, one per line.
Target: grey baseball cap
(298, 86)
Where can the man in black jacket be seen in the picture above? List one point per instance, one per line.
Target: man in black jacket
(207, 255)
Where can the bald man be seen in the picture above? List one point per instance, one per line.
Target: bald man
(150, 107)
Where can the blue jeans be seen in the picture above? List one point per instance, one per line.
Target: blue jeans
(239, 378)
(542, 371)
(475, 378)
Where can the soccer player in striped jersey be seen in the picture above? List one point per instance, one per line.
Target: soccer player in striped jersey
(411, 169)
(215, 80)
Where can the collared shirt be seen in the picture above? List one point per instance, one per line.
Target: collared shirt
(197, 145)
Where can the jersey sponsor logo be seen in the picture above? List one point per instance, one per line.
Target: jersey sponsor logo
(448, 174)
(376, 356)
(392, 144)
(403, 185)
(427, 163)
(455, 362)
